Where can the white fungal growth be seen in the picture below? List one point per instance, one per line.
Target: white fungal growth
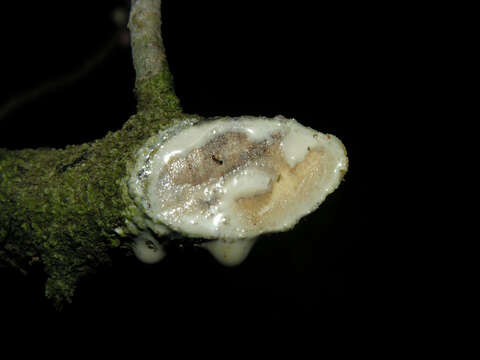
(147, 249)
(230, 252)
(232, 179)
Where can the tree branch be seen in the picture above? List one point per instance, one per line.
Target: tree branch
(63, 207)
(146, 38)
(225, 181)
(148, 53)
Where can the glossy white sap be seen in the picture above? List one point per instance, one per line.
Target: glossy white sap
(147, 249)
(211, 209)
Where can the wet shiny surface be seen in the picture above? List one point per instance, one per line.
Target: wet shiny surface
(236, 178)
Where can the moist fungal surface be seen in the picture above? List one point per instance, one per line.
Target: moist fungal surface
(236, 178)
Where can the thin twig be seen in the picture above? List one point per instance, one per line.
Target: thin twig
(146, 38)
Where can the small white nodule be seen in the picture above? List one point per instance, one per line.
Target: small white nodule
(147, 249)
(230, 252)
(232, 179)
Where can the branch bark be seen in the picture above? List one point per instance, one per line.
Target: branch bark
(146, 38)
(62, 208)
(148, 55)
(67, 209)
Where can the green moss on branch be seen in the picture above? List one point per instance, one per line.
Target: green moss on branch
(60, 207)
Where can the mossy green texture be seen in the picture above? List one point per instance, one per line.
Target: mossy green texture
(60, 207)
(157, 93)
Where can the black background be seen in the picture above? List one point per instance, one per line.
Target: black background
(329, 66)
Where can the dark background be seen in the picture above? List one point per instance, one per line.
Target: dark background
(329, 66)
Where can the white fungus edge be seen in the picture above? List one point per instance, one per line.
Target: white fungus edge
(231, 251)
